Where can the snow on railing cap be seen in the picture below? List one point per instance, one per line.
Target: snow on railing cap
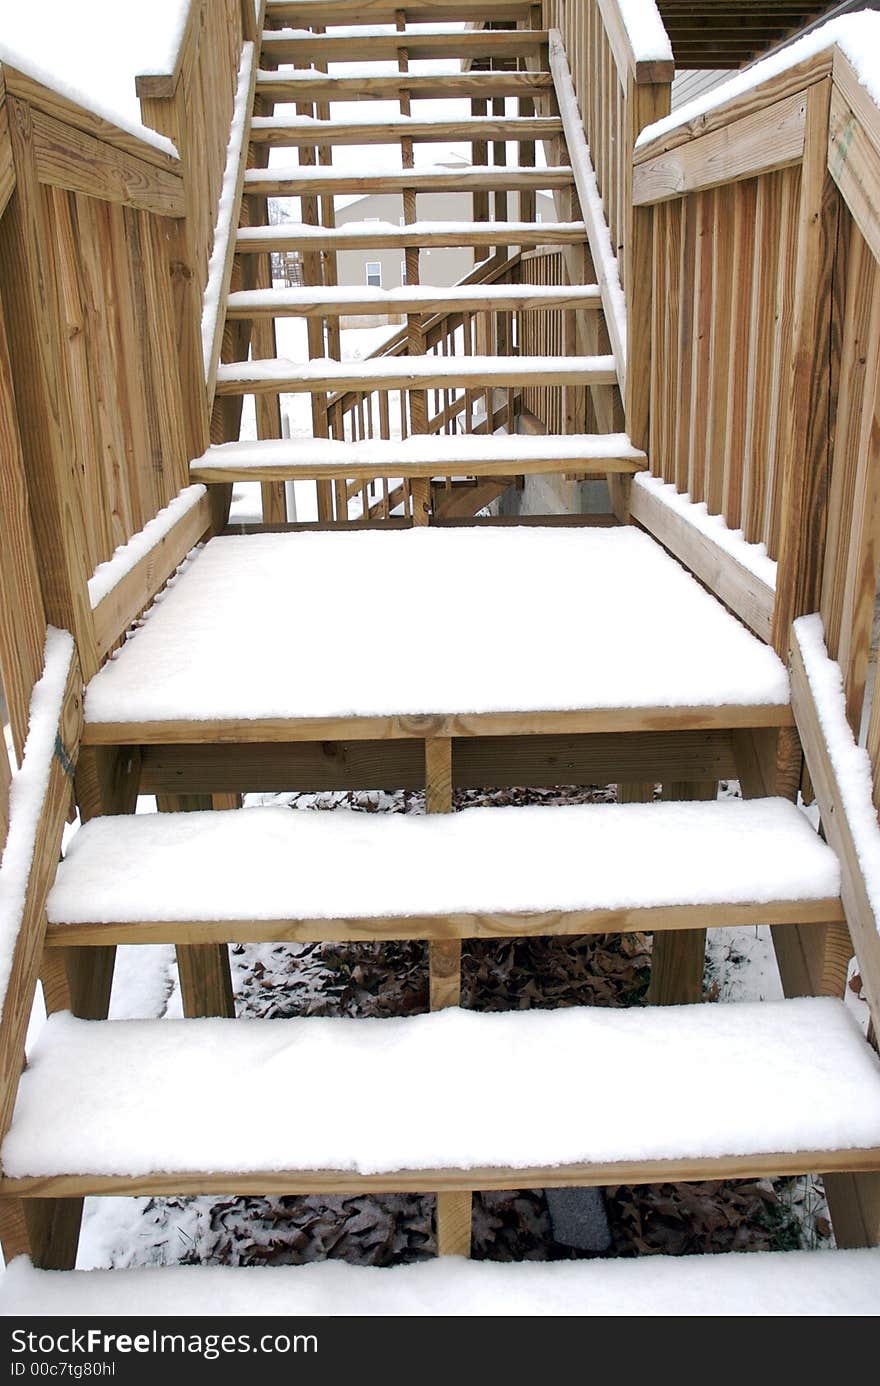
(857, 35)
(90, 51)
(645, 30)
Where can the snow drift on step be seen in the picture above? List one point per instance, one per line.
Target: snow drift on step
(432, 621)
(117, 1097)
(764, 1284)
(276, 863)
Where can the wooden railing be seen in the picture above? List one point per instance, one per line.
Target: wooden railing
(761, 220)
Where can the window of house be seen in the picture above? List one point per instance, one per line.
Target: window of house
(374, 274)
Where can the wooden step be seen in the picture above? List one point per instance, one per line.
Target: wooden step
(365, 45)
(425, 234)
(306, 86)
(724, 1091)
(280, 376)
(655, 652)
(275, 130)
(306, 12)
(269, 873)
(318, 180)
(730, 1284)
(422, 455)
(422, 298)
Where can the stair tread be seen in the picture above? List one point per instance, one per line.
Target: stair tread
(276, 863)
(292, 181)
(731, 1284)
(398, 299)
(581, 618)
(440, 233)
(397, 372)
(309, 130)
(431, 454)
(716, 1083)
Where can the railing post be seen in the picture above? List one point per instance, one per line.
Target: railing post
(645, 103)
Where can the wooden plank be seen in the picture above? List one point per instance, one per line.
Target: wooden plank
(448, 372)
(854, 164)
(398, 465)
(43, 412)
(678, 956)
(624, 719)
(165, 84)
(282, 183)
(421, 86)
(46, 100)
(421, 44)
(446, 931)
(282, 238)
(758, 143)
(838, 831)
(805, 444)
(516, 129)
(69, 158)
(477, 762)
(737, 586)
(48, 1241)
(413, 299)
(793, 80)
(179, 1182)
(133, 593)
(22, 619)
(300, 13)
(607, 270)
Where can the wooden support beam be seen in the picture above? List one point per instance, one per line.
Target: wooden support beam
(203, 968)
(678, 956)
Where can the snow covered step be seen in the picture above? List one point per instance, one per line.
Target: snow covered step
(775, 1283)
(724, 1091)
(653, 648)
(421, 298)
(268, 873)
(281, 376)
(310, 181)
(306, 85)
(361, 44)
(305, 130)
(426, 234)
(424, 455)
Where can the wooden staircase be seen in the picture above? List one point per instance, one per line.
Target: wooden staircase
(551, 653)
(455, 393)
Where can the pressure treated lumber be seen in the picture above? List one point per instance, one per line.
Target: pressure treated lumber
(425, 456)
(383, 236)
(294, 182)
(280, 86)
(495, 298)
(423, 373)
(420, 44)
(290, 134)
(310, 12)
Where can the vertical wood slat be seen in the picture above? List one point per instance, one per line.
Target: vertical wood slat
(805, 432)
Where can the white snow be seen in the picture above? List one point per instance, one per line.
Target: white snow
(116, 1097)
(388, 299)
(791, 1283)
(475, 448)
(107, 575)
(273, 863)
(90, 53)
(857, 35)
(358, 231)
(378, 372)
(27, 792)
(522, 619)
(852, 765)
(715, 527)
(645, 30)
(224, 227)
(604, 258)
